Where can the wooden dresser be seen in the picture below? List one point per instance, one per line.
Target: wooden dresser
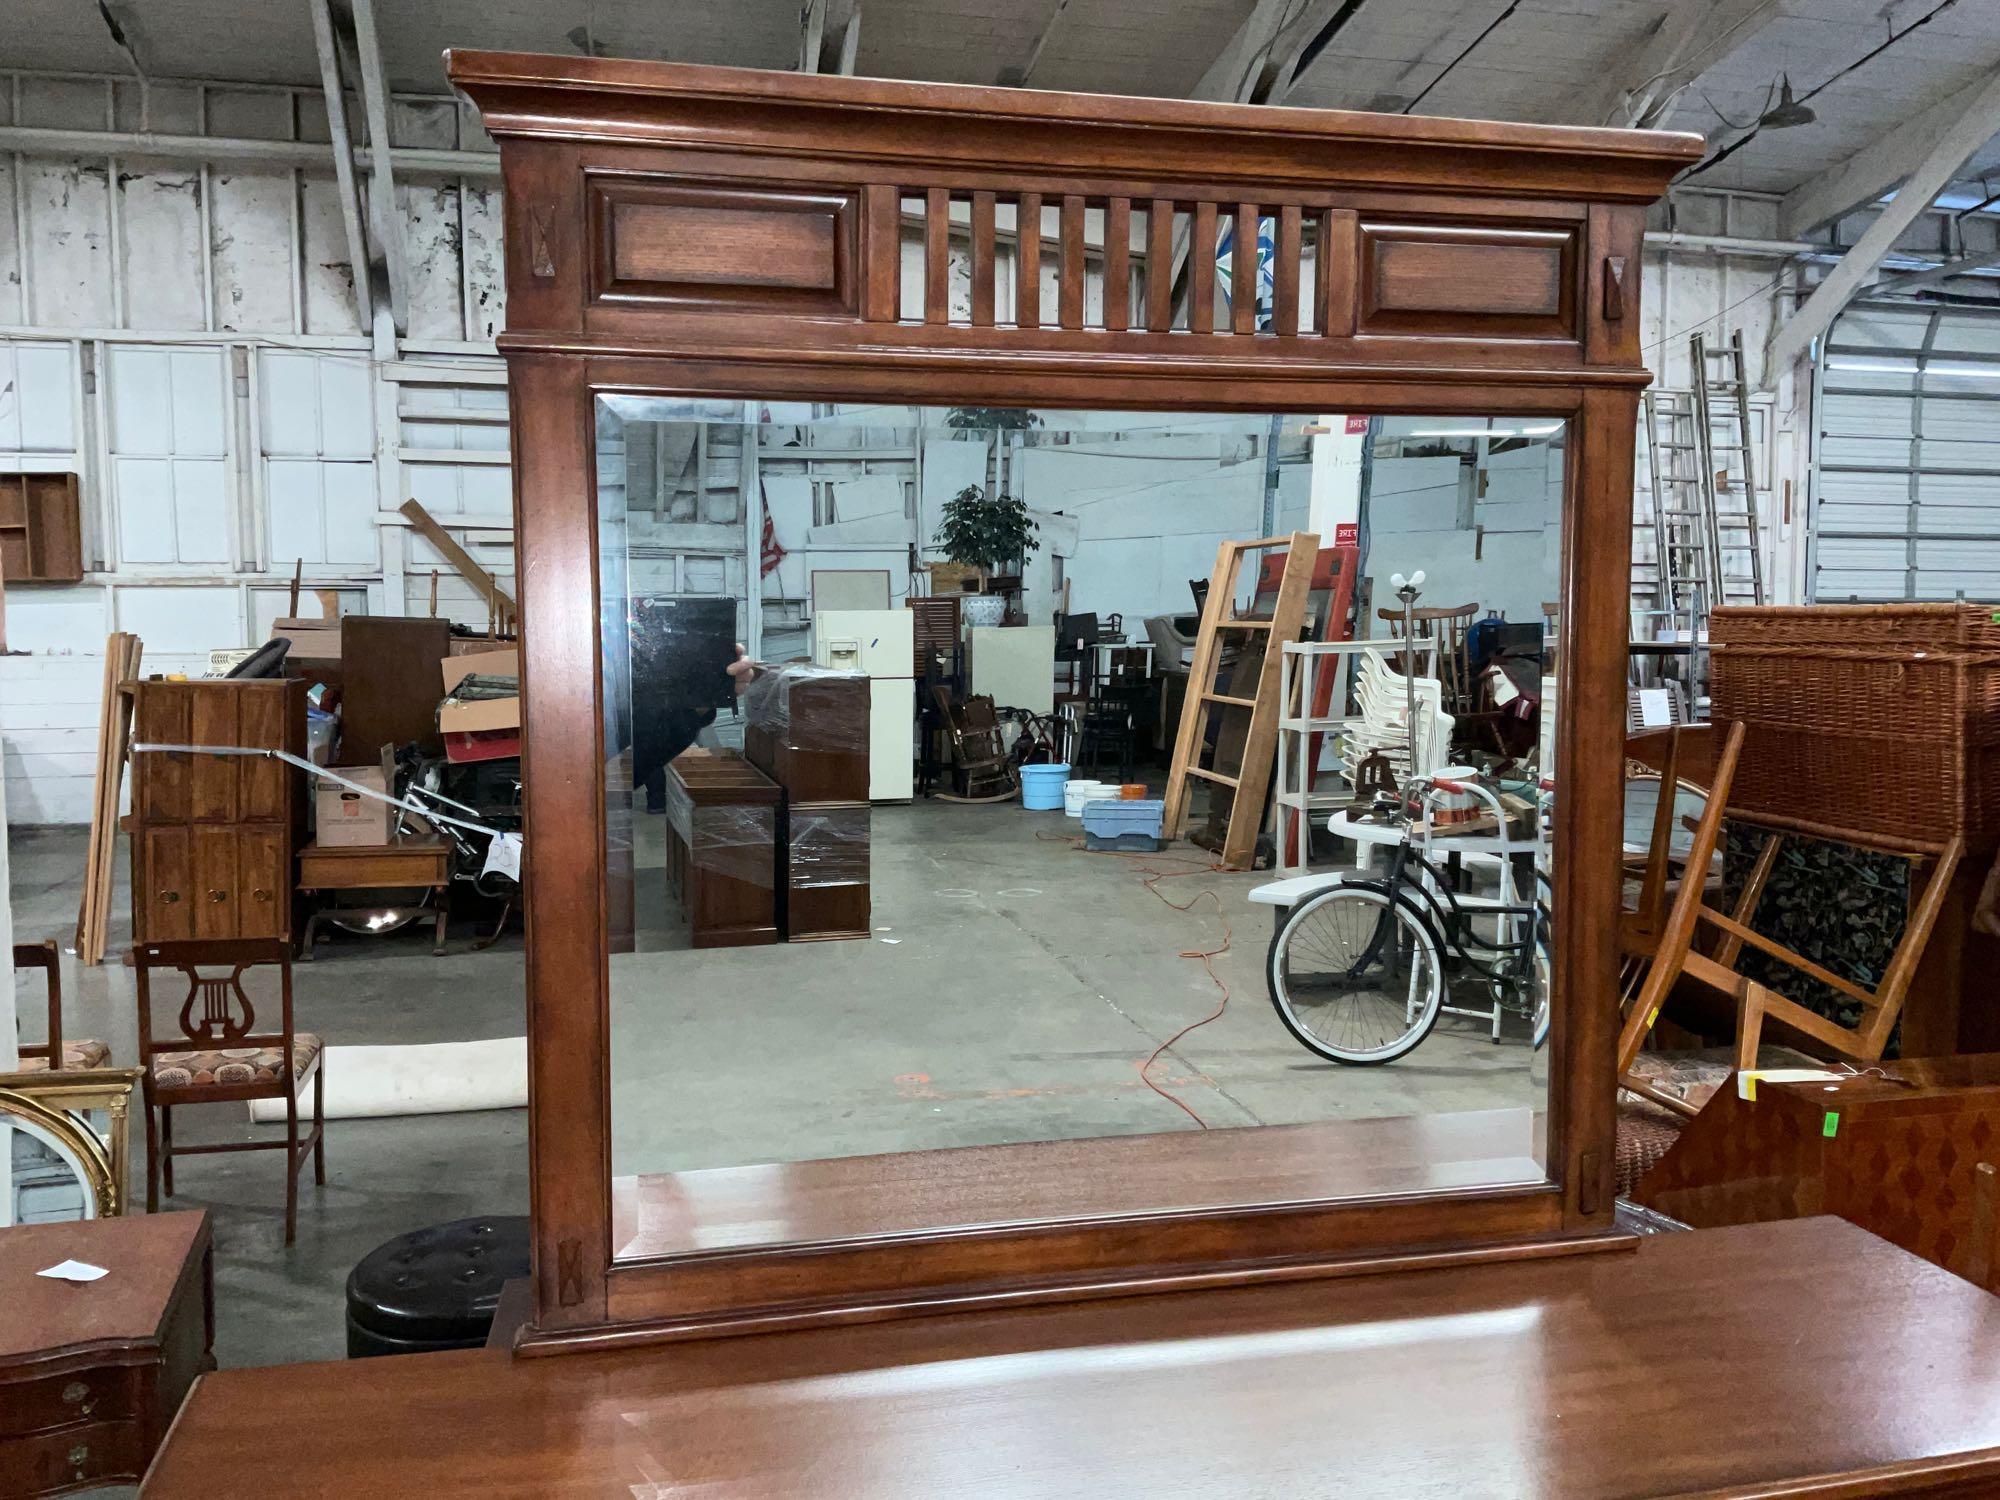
(213, 835)
(723, 818)
(1803, 1358)
(91, 1375)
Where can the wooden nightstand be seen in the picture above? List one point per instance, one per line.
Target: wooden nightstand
(91, 1375)
(406, 864)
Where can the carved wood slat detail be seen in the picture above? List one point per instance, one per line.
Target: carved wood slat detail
(1516, 276)
(1291, 254)
(1028, 262)
(1117, 264)
(1069, 301)
(1201, 270)
(983, 269)
(1337, 251)
(882, 237)
(1243, 271)
(1159, 266)
(937, 256)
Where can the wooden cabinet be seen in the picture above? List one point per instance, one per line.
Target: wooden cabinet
(91, 1376)
(41, 529)
(722, 849)
(824, 888)
(213, 835)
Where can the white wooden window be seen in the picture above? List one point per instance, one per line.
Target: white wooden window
(168, 438)
(318, 449)
(37, 396)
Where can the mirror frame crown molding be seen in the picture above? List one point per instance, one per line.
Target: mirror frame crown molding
(727, 233)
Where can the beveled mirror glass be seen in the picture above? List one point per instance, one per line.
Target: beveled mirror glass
(830, 882)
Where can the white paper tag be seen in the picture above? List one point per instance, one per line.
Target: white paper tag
(74, 1270)
(504, 855)
(1656, 709)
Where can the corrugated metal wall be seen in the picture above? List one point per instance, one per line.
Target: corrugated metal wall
(1906, 482)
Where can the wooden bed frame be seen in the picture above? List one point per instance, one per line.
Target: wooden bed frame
(708, 232)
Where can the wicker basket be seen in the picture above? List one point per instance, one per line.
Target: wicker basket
(1923, 627)
(1879, 719)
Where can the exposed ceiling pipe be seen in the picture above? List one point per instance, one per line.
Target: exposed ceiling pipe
(34, 140)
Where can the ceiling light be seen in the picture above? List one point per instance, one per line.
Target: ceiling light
(1479, 432)
(1787, 112)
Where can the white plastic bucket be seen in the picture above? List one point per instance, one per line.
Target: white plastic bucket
(1076, 793)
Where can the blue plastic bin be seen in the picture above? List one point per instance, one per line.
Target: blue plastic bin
(1042, 787)
(1114, 823)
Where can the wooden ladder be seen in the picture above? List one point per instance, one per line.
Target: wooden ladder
(1258, 709)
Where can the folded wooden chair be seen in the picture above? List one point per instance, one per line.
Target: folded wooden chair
(1659, 938)
(1655, 936)
(1880, 1007)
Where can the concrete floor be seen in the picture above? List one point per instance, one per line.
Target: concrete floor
(277, 1305)
(1010, 992)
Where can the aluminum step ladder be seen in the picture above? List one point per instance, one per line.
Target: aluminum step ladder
(1706, 547)
(1669, 588)
(1722, 392)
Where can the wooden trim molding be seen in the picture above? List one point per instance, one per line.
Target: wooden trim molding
(719, 233)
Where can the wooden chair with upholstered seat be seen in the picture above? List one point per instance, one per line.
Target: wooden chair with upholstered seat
(58, 1052)
(220, 1056)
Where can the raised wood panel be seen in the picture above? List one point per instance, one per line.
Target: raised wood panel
(216, 777)
(673, 242)
(1424, 278)
(263, 893)
(164, 909)
(217, 893)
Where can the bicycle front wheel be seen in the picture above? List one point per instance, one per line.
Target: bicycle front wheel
(1356, 975)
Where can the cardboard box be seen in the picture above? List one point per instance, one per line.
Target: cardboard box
(312, 640)
(343, 818)
(486, 729)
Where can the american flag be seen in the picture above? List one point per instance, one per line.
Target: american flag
(773, 553)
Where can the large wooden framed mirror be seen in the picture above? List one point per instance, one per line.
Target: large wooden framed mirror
(699, 256)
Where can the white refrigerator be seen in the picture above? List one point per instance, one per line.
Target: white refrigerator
(881, 643)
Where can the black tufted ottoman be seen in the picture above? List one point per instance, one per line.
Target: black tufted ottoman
(433, 1288)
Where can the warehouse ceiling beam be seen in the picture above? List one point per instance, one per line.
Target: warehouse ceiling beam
(829, 36)
(1916, 281)
(348, 184)
(1016, 75)
(385, 216)
(1693, 37)
(1973, 127)
(1264, 58)
(1875, 170)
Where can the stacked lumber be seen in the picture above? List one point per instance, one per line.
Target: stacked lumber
(114, 739)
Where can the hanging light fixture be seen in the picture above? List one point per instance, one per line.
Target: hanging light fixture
(1787, 112)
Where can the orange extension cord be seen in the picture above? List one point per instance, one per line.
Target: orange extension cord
(1151, 880)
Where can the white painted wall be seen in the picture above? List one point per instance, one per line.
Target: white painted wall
(184, 337)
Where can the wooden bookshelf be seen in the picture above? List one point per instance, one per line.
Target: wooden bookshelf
(41, 529)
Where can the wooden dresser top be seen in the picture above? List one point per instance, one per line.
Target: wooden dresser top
(1799, 1358)
(147, 1255)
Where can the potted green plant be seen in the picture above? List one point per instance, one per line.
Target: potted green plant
(985, 532)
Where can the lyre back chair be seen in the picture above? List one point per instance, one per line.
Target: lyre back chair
(58, 1052)
(1656, 932)
(219, 1055)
